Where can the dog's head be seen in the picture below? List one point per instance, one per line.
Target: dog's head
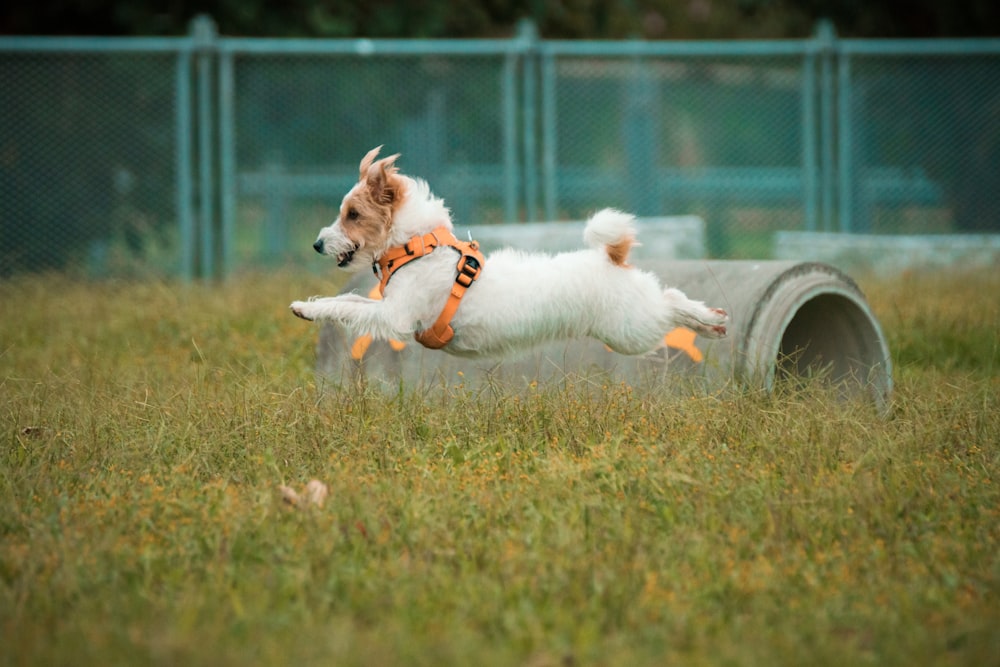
(361, 231)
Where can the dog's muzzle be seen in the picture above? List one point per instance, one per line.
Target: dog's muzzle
(343, 259)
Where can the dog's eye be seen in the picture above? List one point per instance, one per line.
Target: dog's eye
(352, 214)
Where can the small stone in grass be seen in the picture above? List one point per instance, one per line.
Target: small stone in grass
(315, 494)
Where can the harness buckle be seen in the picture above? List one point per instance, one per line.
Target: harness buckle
(468, 270)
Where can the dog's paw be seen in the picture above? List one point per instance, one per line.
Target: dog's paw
(301, 309)
(716, 331)
(718, 328)
(712, 323)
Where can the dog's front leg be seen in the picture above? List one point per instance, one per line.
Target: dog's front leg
(357, 313)
(338, 308)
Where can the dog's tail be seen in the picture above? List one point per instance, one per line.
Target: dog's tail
(614, 231)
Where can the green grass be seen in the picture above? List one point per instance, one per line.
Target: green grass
(148, 426)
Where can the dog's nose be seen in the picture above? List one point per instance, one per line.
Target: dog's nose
(318, 246)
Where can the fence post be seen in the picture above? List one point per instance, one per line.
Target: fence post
(508, 92)
(227, 161)
(203, 33)
(641, 140)
(185, 178)
(826, 37)
(550, 162)
(845, 139)
(528, 33)
(810, 180)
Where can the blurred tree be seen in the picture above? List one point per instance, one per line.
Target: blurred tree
(899, 18)
(596, 19)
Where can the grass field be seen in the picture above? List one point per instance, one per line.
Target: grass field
(147, 427)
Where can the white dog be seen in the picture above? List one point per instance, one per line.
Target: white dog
(514, 299)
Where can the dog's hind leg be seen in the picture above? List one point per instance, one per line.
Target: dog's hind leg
(631, 333)
(695, 315)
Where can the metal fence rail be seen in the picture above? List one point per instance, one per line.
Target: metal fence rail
(199, 155)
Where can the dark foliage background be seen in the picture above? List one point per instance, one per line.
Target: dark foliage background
(595, 19)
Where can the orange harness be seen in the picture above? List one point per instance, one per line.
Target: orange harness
(470, 265)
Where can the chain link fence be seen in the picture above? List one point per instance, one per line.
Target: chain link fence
(933, 119)
(302, 122)
(716, 135)
(87, 160)
(203, 155)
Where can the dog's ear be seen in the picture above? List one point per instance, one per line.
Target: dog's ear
(367, 160)
(381, 179)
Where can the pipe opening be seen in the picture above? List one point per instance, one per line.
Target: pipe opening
(833, 337)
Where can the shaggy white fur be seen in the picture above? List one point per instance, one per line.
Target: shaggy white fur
(520, 299)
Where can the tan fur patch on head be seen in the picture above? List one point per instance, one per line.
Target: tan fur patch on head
(618, 252)
(365, 221)
(366, 215)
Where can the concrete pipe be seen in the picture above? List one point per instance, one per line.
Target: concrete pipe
(787, 319)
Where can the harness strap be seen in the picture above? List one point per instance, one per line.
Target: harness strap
(470, 265)
(401, 255)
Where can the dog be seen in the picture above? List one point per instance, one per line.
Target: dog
(517, 300)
